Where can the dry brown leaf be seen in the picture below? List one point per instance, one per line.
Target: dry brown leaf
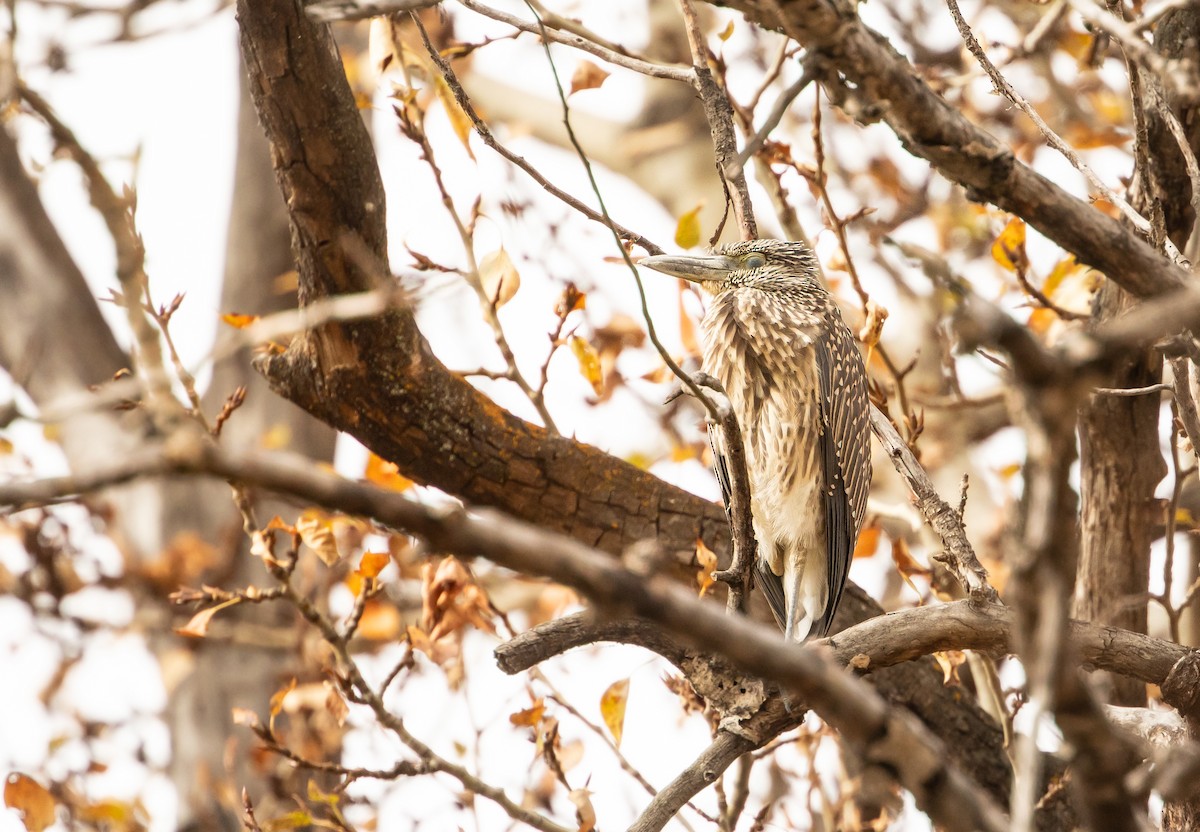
(198, 626)
(949, 661)
(872, 327)
(278, 696)
(335, 704)
(571, 300)
(459, 120)
(499, 277)
(587, 76)
(585, 813)
(316, 530)
(29, 797)
(612, 708)
(451, 600)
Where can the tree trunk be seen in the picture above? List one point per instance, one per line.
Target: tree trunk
(240, 672)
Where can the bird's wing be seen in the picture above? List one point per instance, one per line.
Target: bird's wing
(845, 453)
(720, 467)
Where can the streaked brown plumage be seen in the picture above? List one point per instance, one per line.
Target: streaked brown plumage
(776, 341)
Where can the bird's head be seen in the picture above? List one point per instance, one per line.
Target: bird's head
(757, 264)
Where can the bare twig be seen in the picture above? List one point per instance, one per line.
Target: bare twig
(1135, 45)
(585, 43)
(724, 751)
(959, 556)
(118, 214)
(720, 124)
(413, 124)
(755, 142)
(489, 139)
(1053, 139)
(895, 742)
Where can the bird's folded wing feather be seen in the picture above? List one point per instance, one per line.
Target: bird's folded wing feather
(844, 453)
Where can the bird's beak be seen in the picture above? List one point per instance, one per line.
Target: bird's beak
(696, 268)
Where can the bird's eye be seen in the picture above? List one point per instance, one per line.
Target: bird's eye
(755, 261)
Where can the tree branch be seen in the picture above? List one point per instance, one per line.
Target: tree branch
(929, 127)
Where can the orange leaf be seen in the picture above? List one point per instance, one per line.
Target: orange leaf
(385, 474)
(278, 696)
(380, 622)
(1009, 248)
(238, 321)
(572, 299)
(906, 565)
(373, 563)
(868, 541)
(708, 563)
(589, 363)
(530, 716)
(612, 708)
(31, 799)
(587, 76)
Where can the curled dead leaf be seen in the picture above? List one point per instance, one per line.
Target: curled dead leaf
(197, 627)
(587, 76)
(316, 530)
(585, 813)
(499, 277)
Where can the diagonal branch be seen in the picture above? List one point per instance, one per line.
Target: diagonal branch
(929, 127)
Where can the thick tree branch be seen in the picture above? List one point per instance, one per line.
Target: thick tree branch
(880, 642)
(892, 740)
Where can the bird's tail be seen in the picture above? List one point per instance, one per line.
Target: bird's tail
(805, 596)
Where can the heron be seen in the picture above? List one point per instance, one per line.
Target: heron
(775, 339)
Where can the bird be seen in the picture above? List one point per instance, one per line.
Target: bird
(775, 339)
